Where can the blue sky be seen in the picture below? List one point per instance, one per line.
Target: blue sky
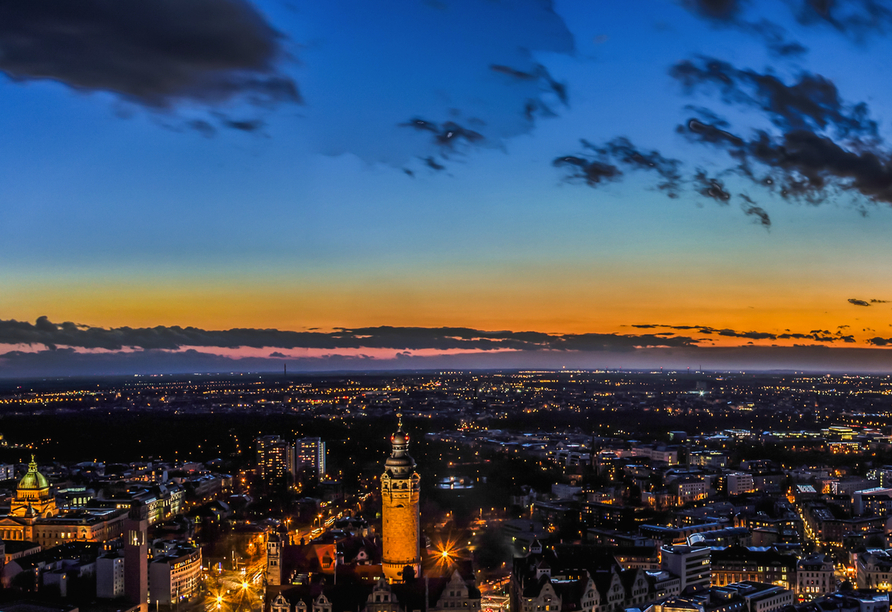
(293, 166)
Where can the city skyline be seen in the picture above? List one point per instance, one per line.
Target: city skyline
(245, 186)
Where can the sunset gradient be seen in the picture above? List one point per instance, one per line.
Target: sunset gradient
(416, 167)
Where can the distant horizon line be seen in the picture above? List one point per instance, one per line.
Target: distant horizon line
(445, 372)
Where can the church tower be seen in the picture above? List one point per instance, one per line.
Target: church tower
(400, 487)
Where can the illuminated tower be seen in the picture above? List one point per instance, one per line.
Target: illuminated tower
(400, 487)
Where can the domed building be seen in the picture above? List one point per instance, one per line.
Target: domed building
(33, 516)
(32, 496)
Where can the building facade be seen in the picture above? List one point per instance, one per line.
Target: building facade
(175, 576)
(815, 576)
(400, 492)
(311, 452)
(275, 459)
(690, 563)
(34, 517)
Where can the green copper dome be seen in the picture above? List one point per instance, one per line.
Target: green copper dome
(33, 480)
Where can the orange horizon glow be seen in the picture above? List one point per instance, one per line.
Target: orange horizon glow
(569, 299)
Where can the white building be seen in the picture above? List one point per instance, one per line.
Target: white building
(690, 563)
(815, 576)
(175, 576)
(874, 570)
(740, 483)
(762, 597)
(110, 577)
(311, 452)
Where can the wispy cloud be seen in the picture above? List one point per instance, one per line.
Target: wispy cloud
(599, 163)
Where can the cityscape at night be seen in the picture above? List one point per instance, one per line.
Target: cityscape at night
(445, 305)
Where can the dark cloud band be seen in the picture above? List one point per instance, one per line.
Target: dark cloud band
(156, 53)
(52, 335)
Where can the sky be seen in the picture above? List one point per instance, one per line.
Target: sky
(238, 185)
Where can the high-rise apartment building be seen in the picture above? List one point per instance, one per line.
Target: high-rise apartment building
(275, 459)
(311, 452)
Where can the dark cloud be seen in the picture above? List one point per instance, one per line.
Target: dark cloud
(422, 125)
(615, 342)
(879, 301)
(751, 209)
(857, 302)
(808, 166)
(607, 163)
(156, 53)
(825, 147)
(853, 18)
(721, 10)
(877, 341)
(813, 102)
(711, 188)
(602, 163)
(447, 135)
(513, 72)
(548, 83)
(752, 335)
(818, 335)
(452, 133)
(178, 349)
(480, 71)
(774, 37)
(729, 14)
(657, 325)
(787, 49)
(711, 133)
(44, 332)
(243, 125)
(592, 172)
(452, 136)
(431, 163)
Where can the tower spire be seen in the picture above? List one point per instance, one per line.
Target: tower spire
(401, 523)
